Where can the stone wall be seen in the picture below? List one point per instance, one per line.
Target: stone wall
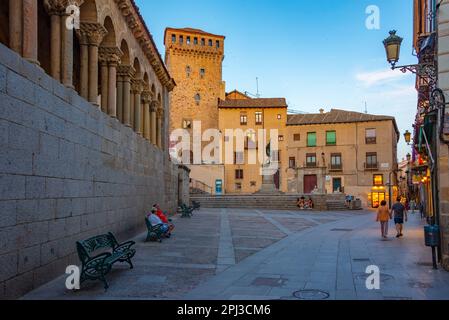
(67, 172)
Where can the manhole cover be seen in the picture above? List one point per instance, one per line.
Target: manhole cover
(311, 294)
(383, 277)
(269, 282)
(342, 230)
(420, 285)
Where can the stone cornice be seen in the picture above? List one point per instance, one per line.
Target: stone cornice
(140, 31)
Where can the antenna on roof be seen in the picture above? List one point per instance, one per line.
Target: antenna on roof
(366, 108)
(257, 95)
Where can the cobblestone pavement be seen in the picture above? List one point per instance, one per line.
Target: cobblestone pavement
(266, 254)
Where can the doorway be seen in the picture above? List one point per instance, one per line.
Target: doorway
(336, 185)
(377, 198)
(310, 182)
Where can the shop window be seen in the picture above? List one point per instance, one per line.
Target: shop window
(311, 139)
(378, 180)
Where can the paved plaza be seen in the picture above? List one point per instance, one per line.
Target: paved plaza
(249, 254)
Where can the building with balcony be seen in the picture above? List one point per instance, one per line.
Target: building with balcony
(343, 152)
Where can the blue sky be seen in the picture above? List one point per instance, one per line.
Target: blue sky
(316, 54)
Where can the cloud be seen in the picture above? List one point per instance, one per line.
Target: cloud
(369, 79)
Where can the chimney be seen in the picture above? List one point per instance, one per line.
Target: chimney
(321, 111)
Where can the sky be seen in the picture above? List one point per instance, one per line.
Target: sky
(315, 53)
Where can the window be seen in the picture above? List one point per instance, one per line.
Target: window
(331, 138)
(197, 99)
(187, 124)
(188, 40)
(250, 141)
(259, 118)
(239, 158)
(243, 119)
(238, 186)
(378, 180)
(371, 160)
(195, 41)
(210, 43)
(281, 138)
(279, 117)
(370, 136)
(296, 137)
(311, 139)
(336, 161)
(276, 155)
(203, 41)
(202, 72)
(217, 44)
(292, 162)
(253, 183)
(311, 160)
(239, 174)
(173, 38)
(181, 39)
(188, 71)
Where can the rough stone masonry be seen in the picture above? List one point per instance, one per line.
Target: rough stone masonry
(67, 172)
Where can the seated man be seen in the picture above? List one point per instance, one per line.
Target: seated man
(163, 217)
(155, 221)
(310, 204)
(301, 203)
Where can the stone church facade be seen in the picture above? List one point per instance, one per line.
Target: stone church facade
(84, 117)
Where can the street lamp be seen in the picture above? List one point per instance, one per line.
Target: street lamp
(408, 137)
(427, 71)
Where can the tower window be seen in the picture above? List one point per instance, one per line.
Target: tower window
(195, 41)
(188, 71)
(202, 72)
(203, 41)
(173, 38)
(217, 44)
(210, 43)
(187, 124)
(188, 40)
(197, 98)
(181, 39)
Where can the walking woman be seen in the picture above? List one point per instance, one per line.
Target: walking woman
(383, 216)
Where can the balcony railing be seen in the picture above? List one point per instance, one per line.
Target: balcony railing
(336, 167)
(371, 166)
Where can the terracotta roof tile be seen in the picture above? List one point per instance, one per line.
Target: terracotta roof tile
(254, 103)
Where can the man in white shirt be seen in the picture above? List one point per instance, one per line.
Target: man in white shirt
(155, 221)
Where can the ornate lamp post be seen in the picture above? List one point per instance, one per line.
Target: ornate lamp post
(408, 137)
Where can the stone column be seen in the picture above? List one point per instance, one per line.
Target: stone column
(160, 115)
(119, 97)
(55, 42)
(153, 118)
(30, 29)
(104, 85)
(146, 114)
(15, 25)
(137, 107)
(125, 73)
(112, 88)
(66, 54)
(84, 65)
(95, 33)
(131, 105)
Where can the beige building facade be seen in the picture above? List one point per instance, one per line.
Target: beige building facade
(343, 152)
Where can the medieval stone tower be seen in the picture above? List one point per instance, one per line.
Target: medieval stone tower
(194, 59)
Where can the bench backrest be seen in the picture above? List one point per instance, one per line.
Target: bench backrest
(87, 247)
(148, 223)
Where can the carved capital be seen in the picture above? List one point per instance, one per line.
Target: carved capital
(137, 86)
(160, 112)
(110, 55)
(146, 96)
(59, 7)
(154, 106)
(126, 71)
(91, 33)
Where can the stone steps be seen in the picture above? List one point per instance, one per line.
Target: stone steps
(275, 202)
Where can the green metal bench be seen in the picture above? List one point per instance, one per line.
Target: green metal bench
(96, 267)
(187, 212)
(155, 233)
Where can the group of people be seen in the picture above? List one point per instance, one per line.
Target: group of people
(398, 212)
(156, 217)
(304, 204)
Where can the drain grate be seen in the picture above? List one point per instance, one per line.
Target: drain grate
(361, 260)
(383, 277)
(342, 230)
(312, 294)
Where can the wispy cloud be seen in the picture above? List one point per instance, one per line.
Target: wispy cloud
(380, 77)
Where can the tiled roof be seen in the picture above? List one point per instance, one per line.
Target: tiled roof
(336, 116)
(197, 31)
(254, 103)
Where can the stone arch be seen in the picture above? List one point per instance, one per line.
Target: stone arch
(159, 97)
(126, 59)
(137, 68)
(146, 80)
(110, 39)
(153, 90)
(4, 23)
(89, 11)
